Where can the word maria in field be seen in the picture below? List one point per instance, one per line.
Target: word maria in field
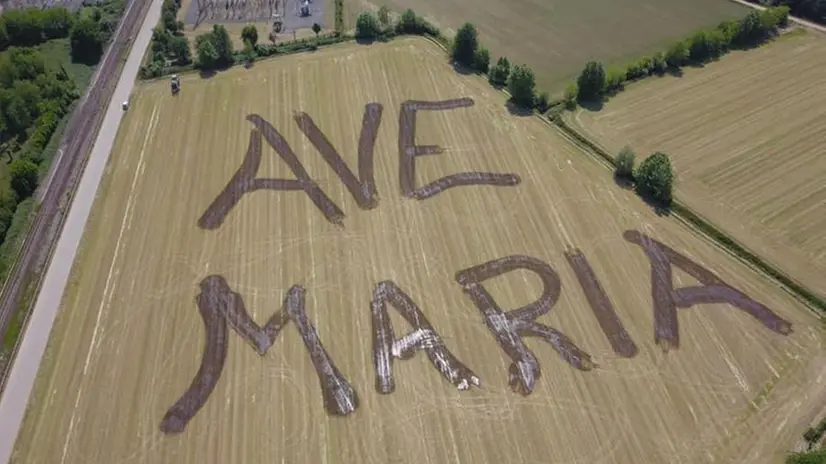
(221, 308)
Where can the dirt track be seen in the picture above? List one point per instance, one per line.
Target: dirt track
(76, 143)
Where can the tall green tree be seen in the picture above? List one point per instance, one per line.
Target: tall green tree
(169, 21)
(591, 83)
(86, 41)
(56, 23)
(481, 61)
(250, 34)
(249, 52)
(208, 57)
(179, 47)
(465, 44)
(624, 164)
(498, 75)
(23, 174)
(222, 44)
(521, 85)
(655, 178)
(367, 26)
(408, 23)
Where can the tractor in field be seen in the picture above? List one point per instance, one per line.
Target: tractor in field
(175, 84)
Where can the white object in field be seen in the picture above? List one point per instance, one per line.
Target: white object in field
(126, 105)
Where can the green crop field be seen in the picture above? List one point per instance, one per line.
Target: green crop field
(557, 37)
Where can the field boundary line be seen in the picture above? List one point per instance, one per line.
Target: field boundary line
(706, 228)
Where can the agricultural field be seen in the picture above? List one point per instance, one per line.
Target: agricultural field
(155, 357)
(746, 136)
(557, 37)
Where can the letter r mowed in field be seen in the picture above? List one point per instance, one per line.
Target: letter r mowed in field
(715, 398)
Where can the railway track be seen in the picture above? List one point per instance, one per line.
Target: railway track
(65, 172)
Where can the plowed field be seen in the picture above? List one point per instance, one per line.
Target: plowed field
(173, 272)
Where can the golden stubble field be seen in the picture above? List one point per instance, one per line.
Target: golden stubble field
(130, 338)
(746, 135)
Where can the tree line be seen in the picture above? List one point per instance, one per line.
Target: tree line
(36, 93)
(33, 100)
(88, 29)
(594, 83)
(465, 50)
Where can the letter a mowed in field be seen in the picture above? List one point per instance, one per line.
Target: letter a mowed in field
(363, 187)
(221, 308)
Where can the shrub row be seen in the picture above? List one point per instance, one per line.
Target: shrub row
(702, 46)
(300, 45)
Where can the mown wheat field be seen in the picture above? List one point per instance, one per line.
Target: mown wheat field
(131, 333)
(746, 136)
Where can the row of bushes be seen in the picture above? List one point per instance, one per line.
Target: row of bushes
(756, 27)
(371, 25)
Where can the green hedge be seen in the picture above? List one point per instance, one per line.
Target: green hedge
(700, 47)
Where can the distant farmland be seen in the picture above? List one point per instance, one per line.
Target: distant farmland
(143, 338)
(746, 136)
(557, 37)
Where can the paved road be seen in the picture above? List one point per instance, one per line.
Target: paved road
(23, 372)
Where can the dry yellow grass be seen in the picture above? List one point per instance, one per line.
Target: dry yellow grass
(129, 338)
(746, 135)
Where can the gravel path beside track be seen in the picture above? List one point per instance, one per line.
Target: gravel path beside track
(81, 134)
